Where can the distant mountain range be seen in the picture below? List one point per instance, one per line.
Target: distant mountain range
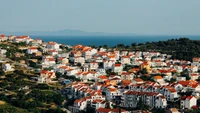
(66, 32)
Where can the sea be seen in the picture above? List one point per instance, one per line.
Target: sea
(110, 40)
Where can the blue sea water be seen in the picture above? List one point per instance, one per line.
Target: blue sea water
(108, 40)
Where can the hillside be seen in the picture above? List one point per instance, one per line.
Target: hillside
(182, 48)
(7, 108)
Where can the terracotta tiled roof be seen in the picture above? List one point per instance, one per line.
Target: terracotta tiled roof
(158, 77)
(103, 110)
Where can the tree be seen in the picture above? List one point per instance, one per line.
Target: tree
(172, 80)
(144, 71)
(58, 74)
(185, 73)
(121, 46)
(134, 44)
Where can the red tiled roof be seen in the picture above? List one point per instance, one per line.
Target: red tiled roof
(103, 77)
(117, 65)
(103, 110)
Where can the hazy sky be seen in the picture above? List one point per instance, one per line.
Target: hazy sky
(172, 17)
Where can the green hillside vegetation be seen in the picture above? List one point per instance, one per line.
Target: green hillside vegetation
(182, 48)
(7, 108)
(36, 98)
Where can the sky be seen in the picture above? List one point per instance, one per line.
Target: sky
(146, 17)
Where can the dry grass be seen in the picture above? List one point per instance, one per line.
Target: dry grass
(2, 102)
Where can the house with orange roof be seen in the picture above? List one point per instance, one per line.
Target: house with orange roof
(53, 52)
(93, 66)
(159, 79)
(112, 57)
(79, 60)
(169, 92)
(127, 76)
(87, 76)
(76, 53)
(62, 60)
(111, 92)
(79, 105)
(194, 76)
(192, 69)
(137, 81)
(3, 37)
(39, 41)
(98, 103)
(161, 102)
(113, 82)
(117, 68)
(32, 50)
(125, 82)
(48, 61)
(53, 46)
(125, 60)
(103, 110)
(87, 54)
(102, 78)
(63, 69)
(11, 37)
(188, 102)
(152, 99)
(46, 76)
(97, 95)
(189, 85)
(196, 59)
(18, 39)
(72, 72)
(136, 62)
(158, 63)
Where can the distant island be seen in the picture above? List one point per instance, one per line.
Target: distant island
(66, 32)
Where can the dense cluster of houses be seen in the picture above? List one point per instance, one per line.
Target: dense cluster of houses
(125, 87)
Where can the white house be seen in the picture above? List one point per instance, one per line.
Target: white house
(3, 38)
(188, 102)
(108, 64)
(111, 93)
(32, 50)
(49, 61)
(53, 52)
(46, 76)
(194, 76)
(7, 67)
(161, 102)
(79, 105)
(53, 46)
(125, 60)
(94, 65)
(152, 99)
(79, 60)
(3, 51)
(117, 68)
